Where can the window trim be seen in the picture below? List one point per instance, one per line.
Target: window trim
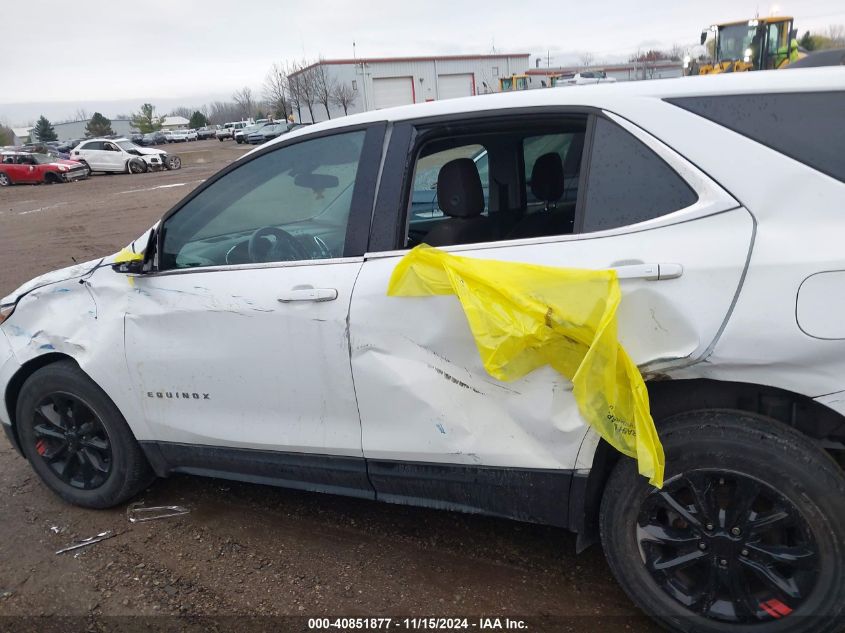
(712, 197)
(360, 212)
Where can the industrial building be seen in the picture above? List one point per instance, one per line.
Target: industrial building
(385, 82)
(76, 129)
(629, 71)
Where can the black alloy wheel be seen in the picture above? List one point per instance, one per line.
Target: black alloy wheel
(727, 546)
(72, 440)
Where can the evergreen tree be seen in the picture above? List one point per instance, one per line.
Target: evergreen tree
(146, 120)
(198, 120)
(7, 137)
(44, 130)
(98, 126)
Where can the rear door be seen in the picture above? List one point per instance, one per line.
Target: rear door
(426, 400)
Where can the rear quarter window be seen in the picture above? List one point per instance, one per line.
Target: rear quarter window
(808, 127)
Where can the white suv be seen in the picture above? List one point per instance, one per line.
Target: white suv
(249, 334)
(123, 156)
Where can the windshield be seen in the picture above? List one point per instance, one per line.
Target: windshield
(43, 159)
(734, 40)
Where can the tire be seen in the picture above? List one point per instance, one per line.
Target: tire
(5, 181)
(50, 178)
(174, 162)
(90, 171)
(733, 460)
(98, 423)
(136, 166)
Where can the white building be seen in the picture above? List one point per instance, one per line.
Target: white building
(385, 82)
(629, 71)
(77, 129)
(174, 123)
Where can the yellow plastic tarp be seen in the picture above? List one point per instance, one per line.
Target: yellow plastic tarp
(524, 316)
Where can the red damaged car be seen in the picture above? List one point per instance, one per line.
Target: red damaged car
(22, 167)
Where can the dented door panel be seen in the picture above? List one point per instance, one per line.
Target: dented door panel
(424, 395)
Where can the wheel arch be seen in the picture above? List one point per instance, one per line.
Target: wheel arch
(671, 397)
(13, 388)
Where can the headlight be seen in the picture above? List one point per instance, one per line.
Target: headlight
(6, 311)
(63, 167)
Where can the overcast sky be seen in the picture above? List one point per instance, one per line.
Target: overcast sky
(96, 51)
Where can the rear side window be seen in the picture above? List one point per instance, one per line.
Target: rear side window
(628, 183)
(807, 126)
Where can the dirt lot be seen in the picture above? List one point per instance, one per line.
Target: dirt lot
(250, 550)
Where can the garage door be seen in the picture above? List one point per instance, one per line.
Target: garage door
(392, 91)
(451, 86)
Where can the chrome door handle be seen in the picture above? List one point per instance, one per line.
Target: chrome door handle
(650, 272)
(309, 294)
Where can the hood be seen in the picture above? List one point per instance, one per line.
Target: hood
(66, 162)
(54, 276)
(150, 151)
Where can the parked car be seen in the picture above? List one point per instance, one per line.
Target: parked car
(205, 133)
(168, 136)
(31, 168)
(66, 146)
(153, 138)
(191, 135)
(267, 133)
(121, 155)
(241, 135)
(228, 130)
(178, 136)
(136, 137)
(725, 235)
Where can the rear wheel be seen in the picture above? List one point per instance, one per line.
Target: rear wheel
(174, 162)
(747, 534)
(77, 440)
(5, 181)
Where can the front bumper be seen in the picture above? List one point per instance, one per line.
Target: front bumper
(76, 174)
(8, 368)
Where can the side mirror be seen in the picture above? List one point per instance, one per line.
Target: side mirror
(703, 37)
(135, 267)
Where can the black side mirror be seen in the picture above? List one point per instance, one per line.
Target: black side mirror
(135, 267)
(703, 37)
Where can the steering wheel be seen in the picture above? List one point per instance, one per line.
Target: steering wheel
(286, 247)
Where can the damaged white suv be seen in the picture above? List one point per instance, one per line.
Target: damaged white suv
(251, 337)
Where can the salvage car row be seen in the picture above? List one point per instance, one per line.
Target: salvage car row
(93, 155)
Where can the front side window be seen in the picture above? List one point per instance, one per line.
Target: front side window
(290, 204)
(628, 183)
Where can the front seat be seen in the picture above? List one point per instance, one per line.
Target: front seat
(547, 186)
(461, 197)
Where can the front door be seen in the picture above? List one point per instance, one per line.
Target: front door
(238, 342)
(423, 393)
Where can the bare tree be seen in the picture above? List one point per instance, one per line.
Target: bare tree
(276, 91)
(324, 86)
(302, 88)
(343, 96)
(586, 58)
(245, 101)
(81, 115)
(182, 111)
(223, 112)
(836, 33)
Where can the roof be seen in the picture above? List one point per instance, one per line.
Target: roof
(175, 120)
(388, 60)
(22, 131)
(598, 95)
(663, 63)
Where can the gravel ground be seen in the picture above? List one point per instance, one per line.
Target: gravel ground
(246, 550)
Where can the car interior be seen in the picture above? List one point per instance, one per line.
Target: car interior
(487, 185)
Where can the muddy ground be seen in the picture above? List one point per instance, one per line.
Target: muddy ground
(247, 550)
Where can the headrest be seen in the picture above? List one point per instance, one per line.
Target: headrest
(547, 178)
(459, 192)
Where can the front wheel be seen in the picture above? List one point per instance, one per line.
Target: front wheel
(747, 534)
(5, 181)
(174, 162)
(76, 439)
(136, 166)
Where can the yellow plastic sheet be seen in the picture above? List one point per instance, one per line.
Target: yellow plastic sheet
(125, 255)
(524, 316)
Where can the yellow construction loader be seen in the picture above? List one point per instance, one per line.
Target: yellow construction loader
(756, 44)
